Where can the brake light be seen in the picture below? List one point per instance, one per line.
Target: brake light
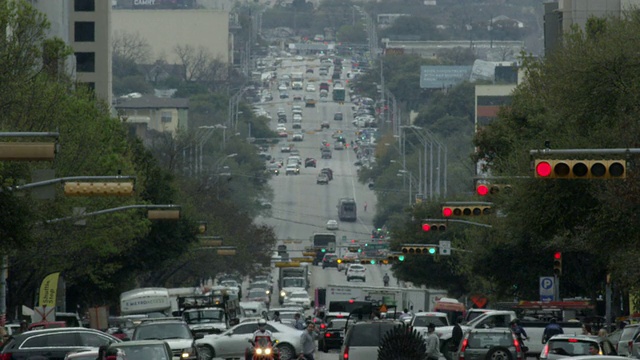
(545, 351)
(323, 326)
(519, 353)
(340, 316)
(345, 355)
(5, 356)
(573, 340)
(630, 346)
(327, 335)
(465, 342)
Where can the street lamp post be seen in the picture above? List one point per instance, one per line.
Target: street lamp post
(204, 138)
(402, 173)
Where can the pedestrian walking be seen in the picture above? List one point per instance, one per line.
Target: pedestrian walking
(308, 338)
(433, 343)
(299, 324)
(553, 328)
(456, 335)
(365, 207)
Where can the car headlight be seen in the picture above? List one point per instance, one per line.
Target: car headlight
(259, 351)
(267, 351)
(186, 353)
(283, 293)
(268, 292)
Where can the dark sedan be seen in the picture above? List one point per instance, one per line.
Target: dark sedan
(332, 336)
(309, 162)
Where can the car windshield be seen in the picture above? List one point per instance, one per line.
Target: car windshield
(425, 320)
(369, 334)
(143, 352)
(162, 332)
(256, 293)
(337, 324)
(232, 283)
(203, 316)
(293, 282)
(570, 347)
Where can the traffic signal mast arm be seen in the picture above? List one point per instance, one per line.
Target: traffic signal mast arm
(458, 221)
(70, 179)
(112, 210)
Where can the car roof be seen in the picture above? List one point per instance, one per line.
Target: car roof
(62, 329)
(138, 342)
(171, 320)
(572, 336)
(491, 330)
(430, 313)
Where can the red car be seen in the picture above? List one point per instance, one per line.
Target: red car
(283, 134)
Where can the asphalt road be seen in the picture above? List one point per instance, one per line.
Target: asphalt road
(301, 207)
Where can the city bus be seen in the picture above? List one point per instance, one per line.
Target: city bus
(347, 210)
(323, 243)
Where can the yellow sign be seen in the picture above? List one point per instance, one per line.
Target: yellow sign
(49, 290)
(308, 253)
(302, 259)
(383, 308)
(287, 264)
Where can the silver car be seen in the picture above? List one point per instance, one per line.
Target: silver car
(496, 343)
(567, 345)
(233, 342)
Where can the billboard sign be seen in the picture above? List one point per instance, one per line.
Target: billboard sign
(443, 76)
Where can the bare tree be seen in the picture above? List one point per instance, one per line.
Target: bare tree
(217, 76)
(195, 61)
(130, 47)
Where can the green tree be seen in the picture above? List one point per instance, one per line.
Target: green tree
(580, 96)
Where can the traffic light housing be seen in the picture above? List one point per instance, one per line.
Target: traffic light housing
(354, 249)
(436, 227)
(466, 210)
(417, 249)
(580, 169)
(492, 189)
(98, 188)
(557, 263)
(395, 257)
(367, 261)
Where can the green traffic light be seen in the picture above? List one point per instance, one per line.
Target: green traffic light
(324, 250)
(373, 262)
(401, 258)
(432, 251)
(359, 250)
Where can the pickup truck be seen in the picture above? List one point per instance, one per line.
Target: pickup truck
(501, 319)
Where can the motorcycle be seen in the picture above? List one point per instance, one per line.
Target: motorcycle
(263, 349)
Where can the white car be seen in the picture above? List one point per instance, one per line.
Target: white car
(297, 117)
(311, 88)
(332, 225)
(281, 128)
(282, 87)
(233, 342)
(299, 297)
(299, 58)
(356, 271)
(299, 136)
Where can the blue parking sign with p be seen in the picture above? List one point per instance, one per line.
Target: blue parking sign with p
(547, 285)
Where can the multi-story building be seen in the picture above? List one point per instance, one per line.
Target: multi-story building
(560, 15)
(165, 29)
(85, 26)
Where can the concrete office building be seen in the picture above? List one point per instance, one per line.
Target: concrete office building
(560, 15)
(166, 29)
(85, 26)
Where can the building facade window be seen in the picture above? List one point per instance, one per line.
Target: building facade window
(166, 117)
(84, 31)
(85, 61)
(84, 5)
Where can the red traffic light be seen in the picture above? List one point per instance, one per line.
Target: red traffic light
(543, 169)
(482, 190)
(557, 255)
(447, 212)
(426, 227)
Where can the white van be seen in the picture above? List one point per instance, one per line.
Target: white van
(254, 309)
